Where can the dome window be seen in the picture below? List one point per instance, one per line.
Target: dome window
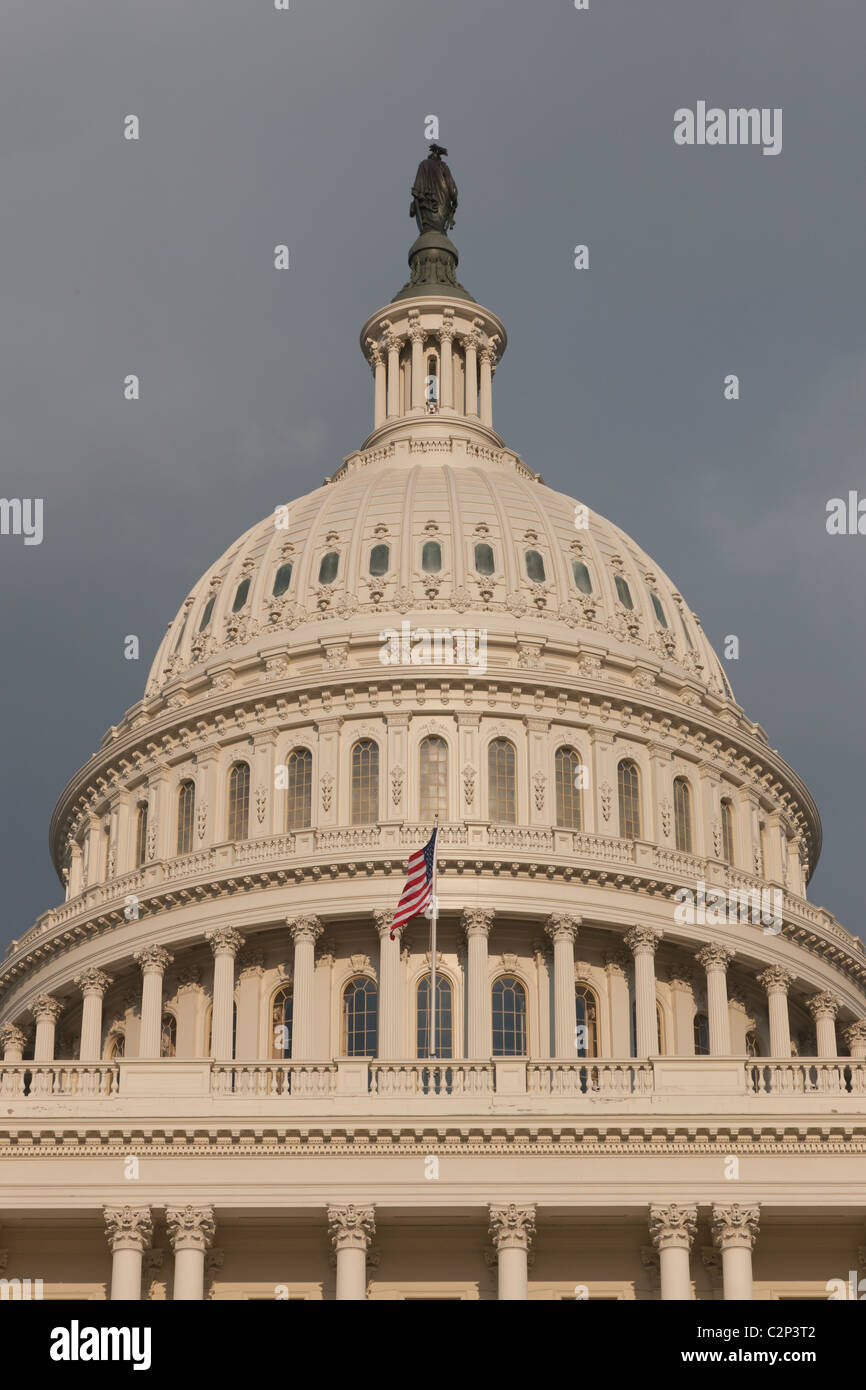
(282, 579)
(581, 576)
(328, 567)
(484, 558)
(431, 557)
(241, 594)
(534, 567)
(380, 560)
(208, 611)
(689, 641)
(180, 635)
(657, 606)
(623, 592)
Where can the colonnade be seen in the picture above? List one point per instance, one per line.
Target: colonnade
(388, 359)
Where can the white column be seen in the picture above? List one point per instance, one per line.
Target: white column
(672, 1229)
(615, 967)
(13, 1042)
(446, 363)
(153, 961)
(191, 1232)
(776, 981)
(734, 1230)
(416, 334)
(129, 1231)
(562, 928)
(225, 943)
(377, 359)
(477, 922)
(643, 943)
(93, 983)
(351, 1230)
(250, 975)
(715, 960)
(485, 357)
(470, 346)
(390, 994)
(76, 869)
(305, 933)
(393, 344)
(854, 1035)
(824, 1007)
(46, 1012)
(511, 1230)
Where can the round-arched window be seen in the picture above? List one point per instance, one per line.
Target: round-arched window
(328, 567)
(534, 567)
(484, 558)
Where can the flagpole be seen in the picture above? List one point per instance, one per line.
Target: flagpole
(434, 909)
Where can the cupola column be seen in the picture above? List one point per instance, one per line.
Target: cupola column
(715, 960)
(46, 1012)
(824, 1007)
(390, 994)
(485, 358)
(511, 1230)
(470, 346)
(643, 943)
(153, 961)
(562, 928)
(776, 981)
(734, 1231)
(305, 933)
(225, 943)
(477, 922)
(416, 336)
(393, 343)
(93, 983)
(377, 358)
(446, 361)
(672, 1229)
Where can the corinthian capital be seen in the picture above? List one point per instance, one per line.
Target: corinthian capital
(477, 921)
(384, 919)
(673, 1227)
(224, 941)
(854, 1035)
(512, 1227)
(714, 957)
(12, 1037)
(735, 1227)
(642, 940)
(190, 1228)
(153, 959)
(823, 1005)
(45, 1009)
(775, 979)
(351, 1227)
(307, 928)
(93, 981)
(128, 1228)
(562, 926)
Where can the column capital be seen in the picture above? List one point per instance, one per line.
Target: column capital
(642, 940)
(775, 979)
(306, 928)
(351, 1227)
(673, 1227)
(128, 1228)
(384, 919)
(93, 981)
(45, 1009)
(477, 921)
(12, 1036)
(714, 957)
(375, 354)
(224, 941)
(562, 926)
(823, 1005)
(735, 1227)
(512, 1227)
(854, 1035)
(153, 959)
(190, 1228)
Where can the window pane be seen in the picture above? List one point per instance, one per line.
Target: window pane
(586, 1012)
(444, 1024)
(328, 567)
(141, 835)
(683, 815)
(728, 832)
(431, 557)
(168, 1040)
(185, 817)
(702, 1035)
(379, 559)
(483, 559)
(180, 634)
(434, 778)
(365, 783)
(568, 772)
(206, 615)
(502, 782)
(623, 592)
(659, 611)
(628, 782)
(509, 1017)
(686, 632)
(281, 1022)
(239, 801)
(241, 593)
(534, 567)
(299, 789)
(581, 576)
(360, 998)
(282, 579)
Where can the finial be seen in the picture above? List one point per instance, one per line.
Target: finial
(433, 257)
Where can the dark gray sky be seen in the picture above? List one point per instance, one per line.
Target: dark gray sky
(306, 127)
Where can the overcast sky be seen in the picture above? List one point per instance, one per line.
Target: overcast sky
(261, 127)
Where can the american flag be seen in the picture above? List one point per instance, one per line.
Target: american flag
(419, 885)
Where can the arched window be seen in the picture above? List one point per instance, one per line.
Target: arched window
(106, 852)
(208, 1030)
(168, 1036)
(702, 1035)
(623, 592)
(431, 557)
(116, 1047)
(586, 1014)
(658, 609)
(569, 774)
(180, 633)
(360, 1017)
(762, 849)
(281, 1022)
(659, 1028)
(328, 567)
(728, 831)
(753, 1044)
(430, 385)
(534, 567)
(582, 576)
(379, 559)
(299, 789)
(628, 787)
(509, 1017)
(689, 643)
(241, 595)
(433, 780)
(239, 801)
(141, 834)
(365, 782)
(444, 1018)
(502, 781)
(185, 816)
(207, 613)
(484, 558)
(683, 815)
(282, 579)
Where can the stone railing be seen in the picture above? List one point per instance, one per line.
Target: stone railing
(85, 1080)
(255, 1079)
(603, 847)
(808, 1076)
(439, 1078)
(592, 1078)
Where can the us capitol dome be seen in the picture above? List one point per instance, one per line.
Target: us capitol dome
(649, 1077)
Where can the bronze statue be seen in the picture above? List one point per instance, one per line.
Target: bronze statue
(434, 193)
